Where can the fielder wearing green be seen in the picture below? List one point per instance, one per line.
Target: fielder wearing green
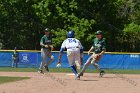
(98, 48)
(46, 44)
(15, 58)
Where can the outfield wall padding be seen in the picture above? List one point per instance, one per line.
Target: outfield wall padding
(108, 61)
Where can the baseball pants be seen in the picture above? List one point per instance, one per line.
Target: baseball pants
(46, 53)
(93, 61)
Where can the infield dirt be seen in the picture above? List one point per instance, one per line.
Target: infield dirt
(66, 83)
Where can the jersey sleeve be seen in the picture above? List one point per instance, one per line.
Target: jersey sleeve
(42, 40)
(93, 45)
(63, 44)
(104, 44)
(80, 45)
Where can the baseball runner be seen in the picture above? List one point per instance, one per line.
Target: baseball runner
(98, 47)
(46, 48)
(74, 51)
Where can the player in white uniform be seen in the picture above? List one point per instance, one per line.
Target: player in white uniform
(74, 51)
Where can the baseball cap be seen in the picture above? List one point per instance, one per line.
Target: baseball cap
(99, 32)
(47, 30)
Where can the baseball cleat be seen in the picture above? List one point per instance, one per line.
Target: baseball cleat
(102, 73)
(77, 78)
(81, 74)
(47, 69)
(40, 71)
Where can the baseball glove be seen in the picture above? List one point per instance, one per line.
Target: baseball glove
(58, 64)
(51, 47)
(97, 57)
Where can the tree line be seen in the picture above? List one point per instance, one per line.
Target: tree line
(22, 22)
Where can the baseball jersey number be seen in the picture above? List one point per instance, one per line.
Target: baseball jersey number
(72, 40)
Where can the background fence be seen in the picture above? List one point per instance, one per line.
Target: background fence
(110, 60)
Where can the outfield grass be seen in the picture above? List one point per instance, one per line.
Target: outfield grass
(6, 79)
(9, 69)
(57, 70)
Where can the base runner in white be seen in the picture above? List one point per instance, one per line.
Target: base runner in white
(74, 51)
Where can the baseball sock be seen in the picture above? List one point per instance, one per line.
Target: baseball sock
(96, 66)
(74, 70)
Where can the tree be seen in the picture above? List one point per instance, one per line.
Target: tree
(23, 22)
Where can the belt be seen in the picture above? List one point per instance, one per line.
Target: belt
(72, 47)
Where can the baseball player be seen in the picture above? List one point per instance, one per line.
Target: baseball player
(74, 51)
(46, 47)
(98, 47)
(15, 58)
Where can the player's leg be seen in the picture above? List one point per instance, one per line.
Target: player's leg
(51, 59)
(70, 56)
(43, 58)
(13, 63)
(77, 59)
(88, 62)
(16, 62)
(94, 62)
(49, 54)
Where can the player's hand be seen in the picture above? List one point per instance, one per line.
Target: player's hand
(46, 46)
(51, 46)
(58, 64)
(88, 52)
(97, 56)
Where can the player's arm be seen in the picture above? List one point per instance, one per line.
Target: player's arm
(61, 52)
(81, 53)
(81, 47)
(103, 51)
(90, 50)
(103, 48)
(60, 56)
(42, 43)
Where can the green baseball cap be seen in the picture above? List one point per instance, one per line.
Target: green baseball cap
(99, 32)
(47, 30)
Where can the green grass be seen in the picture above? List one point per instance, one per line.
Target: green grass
(6, 79)
(123, 71)
(9, 69)
(57, 70)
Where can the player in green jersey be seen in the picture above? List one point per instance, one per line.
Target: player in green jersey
(98, 48)
(15, 58)
(46, 48)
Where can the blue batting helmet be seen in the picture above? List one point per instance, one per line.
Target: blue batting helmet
(71, 34)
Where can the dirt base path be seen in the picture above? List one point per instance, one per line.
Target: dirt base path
(65, 83)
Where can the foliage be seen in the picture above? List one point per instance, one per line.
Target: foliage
(23, 21)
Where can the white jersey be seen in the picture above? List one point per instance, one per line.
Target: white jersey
(71, 43)
(73, 47)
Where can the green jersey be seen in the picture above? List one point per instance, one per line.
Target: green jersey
(99, 45)
(46, 40)
(15, 54)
